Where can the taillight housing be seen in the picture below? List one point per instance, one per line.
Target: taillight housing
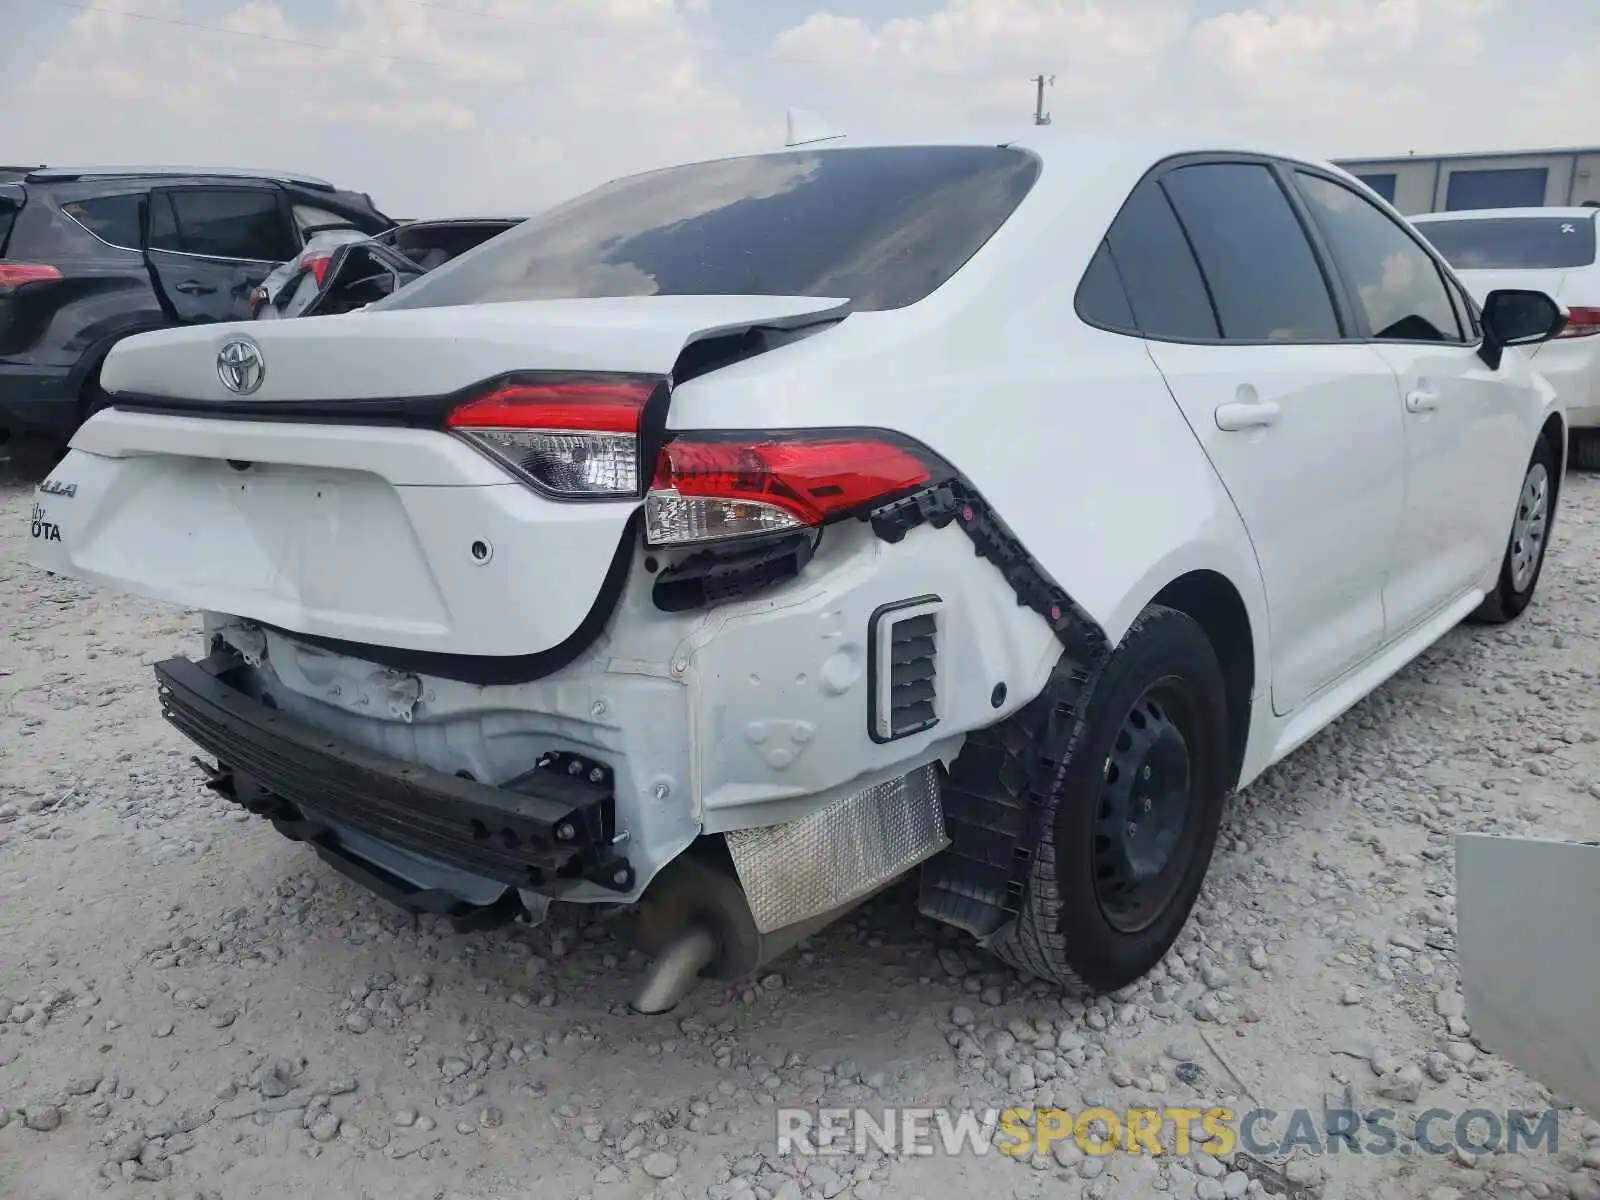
(15, 274)
(572, 436)
(318, 265)
(1581, 322)
(708, 487)
(576, 436)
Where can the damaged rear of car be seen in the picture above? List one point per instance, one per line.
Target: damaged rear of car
(651, 556)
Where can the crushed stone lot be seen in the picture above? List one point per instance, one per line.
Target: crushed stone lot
(191, 1006)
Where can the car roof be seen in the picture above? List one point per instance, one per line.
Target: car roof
(1482, 214)
(1092, 159)
(80, 174)
(1128, 145)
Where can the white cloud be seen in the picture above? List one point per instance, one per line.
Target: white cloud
(975, 56)
(1332, 76)
(434, 110)
(430, 108)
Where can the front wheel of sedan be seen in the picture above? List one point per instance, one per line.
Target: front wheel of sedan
(1530, 537)
(1132, 773)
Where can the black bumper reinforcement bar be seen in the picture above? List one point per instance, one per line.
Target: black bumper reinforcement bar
(547, 829)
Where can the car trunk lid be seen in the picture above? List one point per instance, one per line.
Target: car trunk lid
(331, 501)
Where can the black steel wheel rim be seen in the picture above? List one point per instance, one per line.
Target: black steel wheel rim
(1147, 819)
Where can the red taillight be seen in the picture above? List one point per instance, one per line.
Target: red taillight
(15, 274)
(1581, 322)
(319, 265)
(709, 487)
(576, 437)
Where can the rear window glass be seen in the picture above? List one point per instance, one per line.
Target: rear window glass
(1498, 243)
(112, 219)
(882, 227)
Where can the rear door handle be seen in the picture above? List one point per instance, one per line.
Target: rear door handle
(1420, 400)
(1255, 414)
(193, 287)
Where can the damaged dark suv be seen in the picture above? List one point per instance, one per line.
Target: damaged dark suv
(92, 255)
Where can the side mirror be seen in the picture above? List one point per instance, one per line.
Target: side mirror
(1516, 317)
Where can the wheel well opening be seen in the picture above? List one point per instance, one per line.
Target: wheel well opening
(1554, 433)
(1215, 604)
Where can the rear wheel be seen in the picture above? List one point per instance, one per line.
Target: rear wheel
(1530, 536)
(1133, 780)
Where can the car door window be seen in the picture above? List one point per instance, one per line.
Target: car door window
(1159, 274)
(1253, 251)
(112, 219)
(242, 223)
(1395, 283)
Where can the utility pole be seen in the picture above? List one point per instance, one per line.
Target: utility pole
(1040, 117)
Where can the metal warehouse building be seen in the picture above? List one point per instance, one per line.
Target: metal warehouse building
(1507, 179)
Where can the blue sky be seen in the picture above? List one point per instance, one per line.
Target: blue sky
(433, 110)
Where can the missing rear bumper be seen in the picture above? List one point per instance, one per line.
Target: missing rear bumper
(547, 830)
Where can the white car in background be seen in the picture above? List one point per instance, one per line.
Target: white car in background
(1552, 250)
(723, 543)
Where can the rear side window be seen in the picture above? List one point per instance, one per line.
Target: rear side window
(1162, 281)
(1263, 274)
(1511, 243)
(1102, 300)
(239, 223)
(112, 219)
(881, 226)
(1397, 285)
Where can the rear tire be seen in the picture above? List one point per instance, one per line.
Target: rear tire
(1133, 782)
(1583, 449)
(1530, 538)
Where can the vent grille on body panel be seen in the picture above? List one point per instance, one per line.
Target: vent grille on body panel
(904, 640)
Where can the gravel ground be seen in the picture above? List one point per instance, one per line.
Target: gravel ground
(191, 1006)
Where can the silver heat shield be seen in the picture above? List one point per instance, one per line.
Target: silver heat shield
(820, 862)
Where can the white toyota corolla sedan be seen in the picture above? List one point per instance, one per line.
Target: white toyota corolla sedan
(736, 538)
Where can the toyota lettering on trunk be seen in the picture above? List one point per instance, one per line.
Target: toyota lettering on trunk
(44, 529)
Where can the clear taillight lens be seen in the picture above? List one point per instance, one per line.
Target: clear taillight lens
(568, 464)
(671, 518)
(573, 437)
(708, 487)
(1581, 322)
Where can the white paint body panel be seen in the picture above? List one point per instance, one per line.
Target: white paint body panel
(1461, 479)
(356, 534)
(1321, 490)
(1353, 533)
(436, 351)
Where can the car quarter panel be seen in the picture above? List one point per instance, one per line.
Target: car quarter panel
(1069, 433)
